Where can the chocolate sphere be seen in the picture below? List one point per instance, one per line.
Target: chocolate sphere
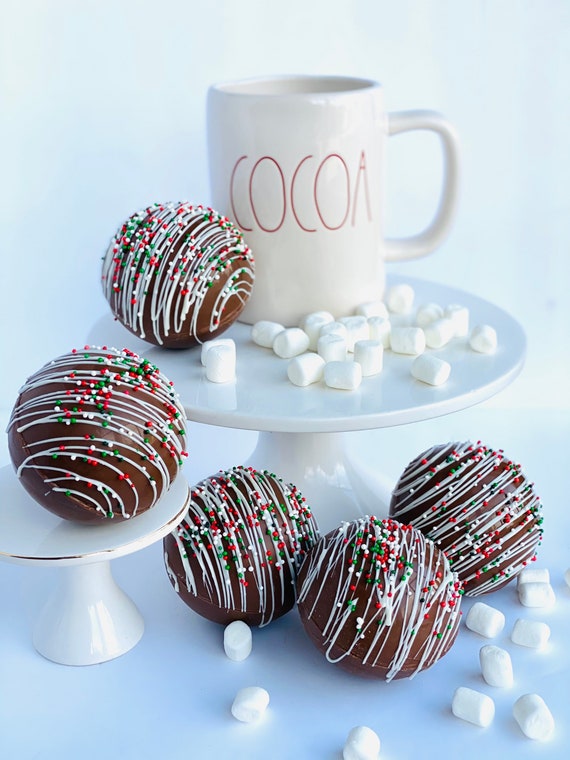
(236, 554)
(97, 434)
(176, 274)
(478, 507)
(378, 599)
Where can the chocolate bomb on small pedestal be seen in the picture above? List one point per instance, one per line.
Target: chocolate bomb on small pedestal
(97, 434)
(236, 554)
(177, 274)
(477, 506)
(378, 599)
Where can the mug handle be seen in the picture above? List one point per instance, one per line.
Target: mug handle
(424, 242)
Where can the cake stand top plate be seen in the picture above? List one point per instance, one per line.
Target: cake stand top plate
(31, 534)
(263, 399)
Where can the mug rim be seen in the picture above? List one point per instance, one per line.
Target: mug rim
(294, 85)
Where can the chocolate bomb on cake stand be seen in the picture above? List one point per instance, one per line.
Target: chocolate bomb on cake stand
(302, 430)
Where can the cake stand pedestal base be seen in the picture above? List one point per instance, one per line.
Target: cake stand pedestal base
(336, 486)
(88, 619)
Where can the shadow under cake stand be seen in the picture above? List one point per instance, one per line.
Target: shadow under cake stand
(88, 618)
(302, 430)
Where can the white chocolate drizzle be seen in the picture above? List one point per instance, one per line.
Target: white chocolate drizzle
(110, 410)
(231, 521)
(477, 506)
(162, 263)
(374, 583)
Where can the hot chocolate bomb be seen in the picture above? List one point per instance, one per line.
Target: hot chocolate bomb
(96, 434)
(378, 599)
(236, 554)
(176, 274)
(478, 507)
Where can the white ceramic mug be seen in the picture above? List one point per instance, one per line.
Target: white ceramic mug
(297, 162)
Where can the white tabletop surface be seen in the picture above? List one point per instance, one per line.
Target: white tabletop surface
(170, 696)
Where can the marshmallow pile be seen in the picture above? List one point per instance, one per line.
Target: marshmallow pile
(342, 352)
(530, 710)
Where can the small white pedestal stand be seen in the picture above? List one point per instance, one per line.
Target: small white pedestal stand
(88, 619)
(302, 429)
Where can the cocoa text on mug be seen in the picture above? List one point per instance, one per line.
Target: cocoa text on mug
(329, 193)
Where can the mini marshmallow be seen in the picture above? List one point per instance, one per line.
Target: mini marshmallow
(250, 703)
(533, 716)
(312, 324)
(221, 364)
(407, 340)
(431, 369)
(483, 339)
(536, 594)
(530, 574)
(372, 309)
(290, 342)
(334, 328)
(208, 344)
(459, 315)
(263, 333)
(439, 332)
(428, 313)
(369, 354)
(496, 666)
(344, 376)
(380, 329)
(237, 640)
(305, 369)
(485, 620)
(356, 329)
(332, 347)
(530, 633)
(362, 743)
(473, 706)
(400, 298)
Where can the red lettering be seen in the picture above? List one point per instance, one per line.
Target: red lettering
(315, 191)
(234, 212)
(361, 171)
(301, 225)
(284, 194)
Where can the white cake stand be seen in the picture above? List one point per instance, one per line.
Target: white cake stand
(88, 619)
(302, 429)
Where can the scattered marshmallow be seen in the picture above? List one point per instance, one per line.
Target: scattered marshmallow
(473, 706)
(567, 576)
(312, 324)
(290, 342)
(356, 329)
(362, 743)
(237, 640)
(345, 376)
(485, 620)
(439, 332)
(428, 313)
(496, 666)
(334, 328)
(483, 339)
(250, 703)
(533, 716)
(372, 309)
(208, 344)
(530, 633)
(536, 594)
(407, 340)
(459, 315)
(431, 369)
(400, 298)
(305, 369)
(531, 574)
(221, 363)
(264, 332)
(379, 328)
(332, 347)
(370, 355)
